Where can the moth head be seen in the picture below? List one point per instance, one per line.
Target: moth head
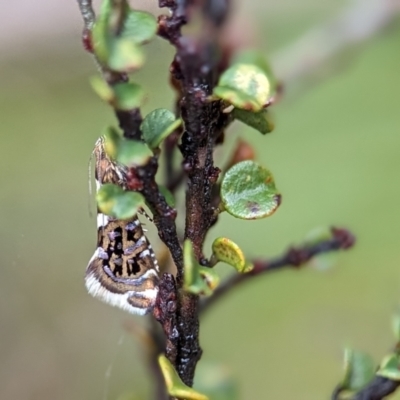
(107, 170)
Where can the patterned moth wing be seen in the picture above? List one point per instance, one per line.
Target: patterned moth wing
(123, 270)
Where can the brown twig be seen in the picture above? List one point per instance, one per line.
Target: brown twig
(165, 313)
(163, 214)
(195, 68)
(295, 257)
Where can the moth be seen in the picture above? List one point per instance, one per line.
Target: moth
(123, 270)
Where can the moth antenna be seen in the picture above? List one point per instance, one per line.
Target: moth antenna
(143, 212)
(90, 185)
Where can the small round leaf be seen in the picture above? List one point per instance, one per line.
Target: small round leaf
(118, 47)
(359, 369)
(114, 201)
(245, 86)
(256, 58)
(390, 367)
(112, 141)
(124, 55)
(196, 279)
(237, 98)
(139, 26)
(122, 96)
(157, 125)
(102, 88)
(261, 120)
(101, 39)
(229, 252)
(127, 96)
(248, 191)
(133, 153)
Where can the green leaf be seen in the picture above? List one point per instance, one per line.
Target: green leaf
(122, 96)
(128, 96)
(129, 152)
(119, 49)
(390, 367)
(197, 279)
(237, 98)
(248, 191)
(114, 201)
(261, 120)
(175, 386)
(133, 153)
(359, 369)
(102, 88)
(245, 86)
(169, 197)
(112, 141)
(157, 125)
(125, 56)
(101, 39)
(139, 26)
(227, 251)
(106, 8)
(256, 58)
(210, 278)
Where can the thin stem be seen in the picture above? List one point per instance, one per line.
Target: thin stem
(88, 15)
(163, 215)
(293, 258)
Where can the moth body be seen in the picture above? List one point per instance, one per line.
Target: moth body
(123, 270)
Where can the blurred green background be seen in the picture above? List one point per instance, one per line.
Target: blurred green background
(335, 155)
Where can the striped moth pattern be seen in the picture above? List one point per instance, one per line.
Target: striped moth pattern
(123, 270)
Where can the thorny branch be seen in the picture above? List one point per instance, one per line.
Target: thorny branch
(295, 257)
